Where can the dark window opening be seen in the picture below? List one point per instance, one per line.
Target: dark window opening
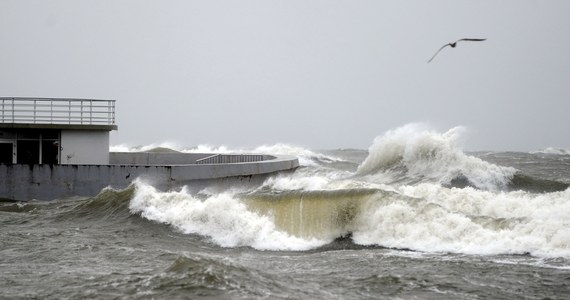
(50, 152)
(28, 152)
(6, 153)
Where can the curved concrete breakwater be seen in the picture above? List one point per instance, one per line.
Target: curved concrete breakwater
(59, 147)
(163, 170)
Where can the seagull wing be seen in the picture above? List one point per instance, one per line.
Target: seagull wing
(438, 52)
(470, 40)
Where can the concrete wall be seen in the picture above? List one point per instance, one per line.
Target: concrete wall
(84, 147)
(47, 182)
(154, 158)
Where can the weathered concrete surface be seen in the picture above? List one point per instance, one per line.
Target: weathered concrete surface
(155, 158)
(47, 182)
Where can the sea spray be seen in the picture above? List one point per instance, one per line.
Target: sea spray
(306, 157)
(413, 154)
(309, 179)
(400, 197)
(553, 151)
(426, 217)
(169, 146)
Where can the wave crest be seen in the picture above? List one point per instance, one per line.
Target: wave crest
(221, 217)
(413, 153)
(424, 217)
(553, 150)
(469, 221)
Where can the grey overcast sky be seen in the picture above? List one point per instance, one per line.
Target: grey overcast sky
(318, 74)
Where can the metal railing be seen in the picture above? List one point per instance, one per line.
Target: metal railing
(230, 158)
(57, 111)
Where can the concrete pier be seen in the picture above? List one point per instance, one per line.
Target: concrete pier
(162, 170)
(59, 147)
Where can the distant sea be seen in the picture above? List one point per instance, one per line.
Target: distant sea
(412, 217)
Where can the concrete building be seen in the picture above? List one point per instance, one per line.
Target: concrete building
(55, 131)
(54, 148)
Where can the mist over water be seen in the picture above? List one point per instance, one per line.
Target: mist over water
(413, 216)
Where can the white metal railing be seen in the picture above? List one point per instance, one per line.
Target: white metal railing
(57, 111)
(230, 158)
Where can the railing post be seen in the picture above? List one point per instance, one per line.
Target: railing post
(111, 110)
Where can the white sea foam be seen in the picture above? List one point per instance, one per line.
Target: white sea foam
(437, 219)
(420, 154)
(425, 216)
(297, 182)
(204, 148)
(221, 217)
(306, 157)
(552, 150)
(141, 148)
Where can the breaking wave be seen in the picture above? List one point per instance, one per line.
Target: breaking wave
(552, 150)
(426, 217)
(472, 221)
(415, 190)
(221, 217)
(168, 146)
(413, 154)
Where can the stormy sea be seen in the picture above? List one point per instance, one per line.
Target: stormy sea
(411, 217)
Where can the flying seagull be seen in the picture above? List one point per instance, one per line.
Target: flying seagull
(453, 45)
